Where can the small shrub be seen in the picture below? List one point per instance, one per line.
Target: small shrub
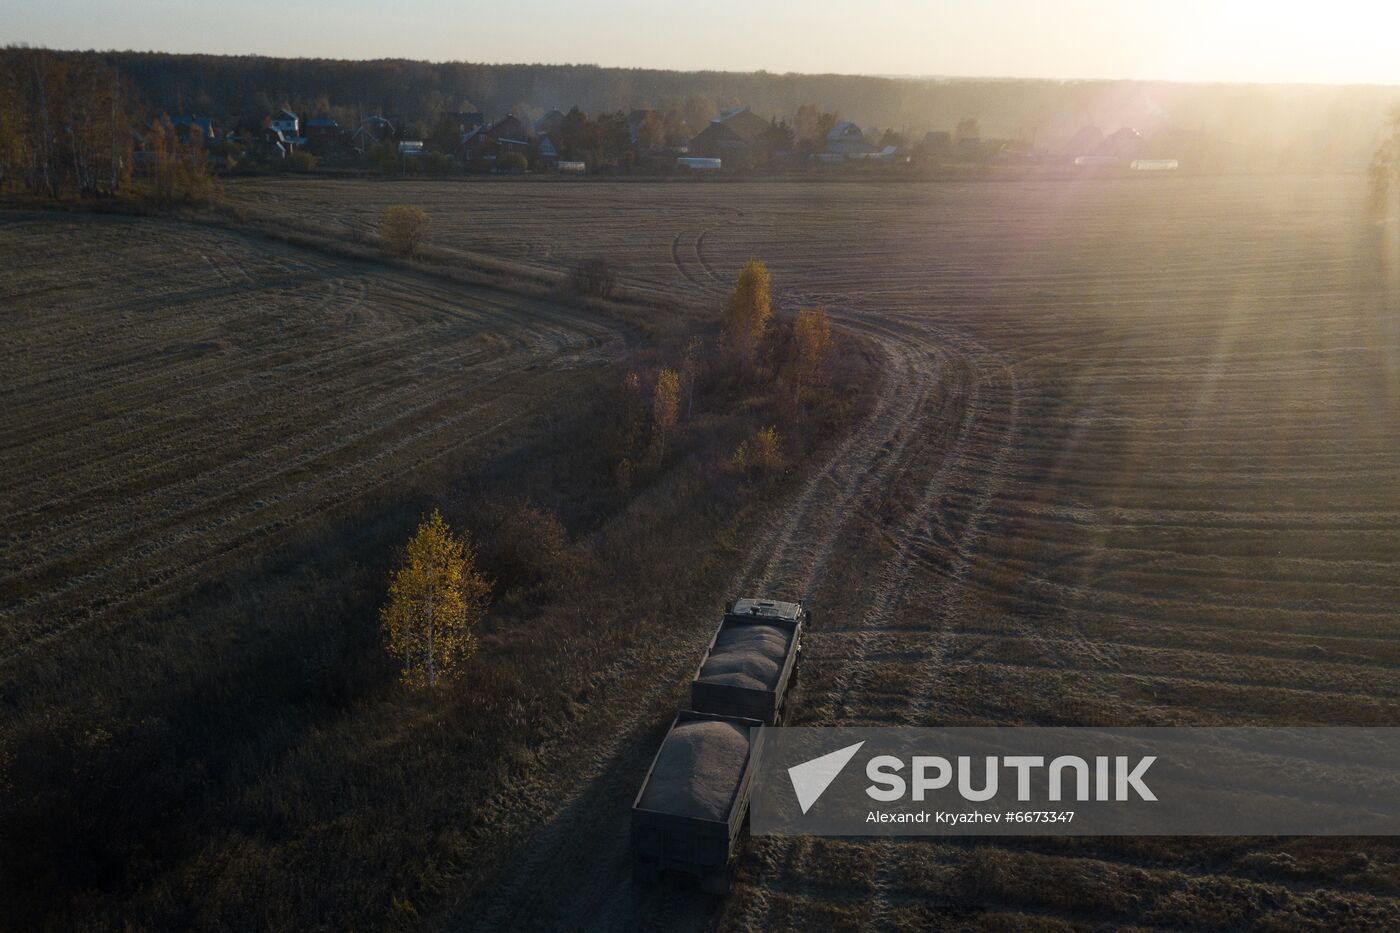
(760, 454)
(740, 459)
(299, 161)
(525, 547)
(511, 163)
(403, 230)
(665, 407)
(766, 454)
(593, 278)
(811, 345)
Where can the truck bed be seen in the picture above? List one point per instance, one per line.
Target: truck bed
(692, 804)
(749, 664)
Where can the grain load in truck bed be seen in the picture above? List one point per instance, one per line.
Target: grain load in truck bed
(690, 812)
(747, 656)
(751, 660)
(698, 769)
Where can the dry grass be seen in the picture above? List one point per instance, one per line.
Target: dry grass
(180, 395)
(214, 737)
(1134, 464)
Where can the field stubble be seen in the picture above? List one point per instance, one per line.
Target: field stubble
(178, 394)
(1135, 463)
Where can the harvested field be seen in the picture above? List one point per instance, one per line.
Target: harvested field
(1136, 462)
(175, 395)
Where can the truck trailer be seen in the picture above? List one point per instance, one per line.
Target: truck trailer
(751, 660)
(690, 812)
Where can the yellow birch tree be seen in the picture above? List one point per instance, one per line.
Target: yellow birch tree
(747, 311)
(435, 598)
(812, 336)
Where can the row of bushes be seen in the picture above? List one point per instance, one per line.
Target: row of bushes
(660, 412)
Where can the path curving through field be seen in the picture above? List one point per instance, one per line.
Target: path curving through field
(935, 397)
(1134, 462)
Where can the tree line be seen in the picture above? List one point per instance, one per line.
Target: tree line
(65, 125)
(1258, 124)
(66, 117)
(69, 126)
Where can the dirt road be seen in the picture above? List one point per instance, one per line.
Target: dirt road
(1134, 463)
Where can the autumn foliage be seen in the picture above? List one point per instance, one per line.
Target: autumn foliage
(178, 171)
(750, 403)
(435, 598)
(758, 455)
(404, 230)
(65, 129)
(665, 405)
(747, 312)
(811, 334)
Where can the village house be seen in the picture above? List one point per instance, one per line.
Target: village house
(510, 134)
(464, 120)
(371, 132)
(288, 126)
(846, 141)
(274, 145)
(548, 152)
(188, 128)
(549, 124)
(507, 134)
(322, 134)
(732, 133)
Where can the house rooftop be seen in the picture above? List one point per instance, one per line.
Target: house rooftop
(743, 122)
(844, 130)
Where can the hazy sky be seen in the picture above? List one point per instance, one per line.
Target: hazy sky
(1337, 42)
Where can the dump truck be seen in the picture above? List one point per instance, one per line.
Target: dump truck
(751, 660)
(693, 804)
